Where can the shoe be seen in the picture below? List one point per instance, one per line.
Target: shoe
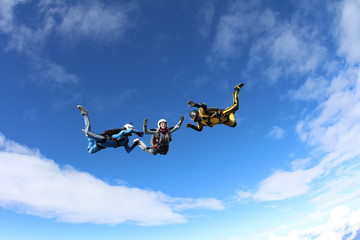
(238, 87)
(82, 110)
(136, 141)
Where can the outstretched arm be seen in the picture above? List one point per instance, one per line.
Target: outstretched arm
(198, 105)
(178, 125)
(146, 130)
(126, 133)
(198, 128)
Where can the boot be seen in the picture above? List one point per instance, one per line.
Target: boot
(238, 87)
(82, 110)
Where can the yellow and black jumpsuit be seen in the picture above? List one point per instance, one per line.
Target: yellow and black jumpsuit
(213, 116)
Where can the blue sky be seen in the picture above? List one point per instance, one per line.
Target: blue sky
(289, 170)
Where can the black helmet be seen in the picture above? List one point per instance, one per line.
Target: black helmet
(194, 114)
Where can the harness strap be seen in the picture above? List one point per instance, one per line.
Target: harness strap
(106, 138)
(157, 137)
(206, 120)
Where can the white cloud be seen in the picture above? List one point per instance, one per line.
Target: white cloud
(333, 129)
(313, 89)
(83, 20)
(92, 20)
(242, 195)
(342, 224)
(285, 184)
(339, 188)
(199, 81)
(22, 35)
(349, 25)
(279, 47)
(342, 187)
(206, 17)
(32, 184)
(286, 47)
(229, 33)
(51, 72)
(276, 133)
(300, 164)
(334, 124)
(234, 29)
(291, 47)
(7, 16)
(71, 21)
(210, 203)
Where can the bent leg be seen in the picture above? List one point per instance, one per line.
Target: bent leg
(85, 114)
(87, 123)
(87, 129)
(92, 146)
(95, 136)
(145, 148)
(231, 122)
(235, 105)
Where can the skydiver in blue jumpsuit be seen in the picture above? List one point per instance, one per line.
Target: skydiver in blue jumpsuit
(110, 138)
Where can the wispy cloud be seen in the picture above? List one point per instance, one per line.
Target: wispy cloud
(206, 18)
(313, 89)
(300, 164)
(83, 20)
(279, 46)
(332, 125)
(276, 133)
(332, 129)
(70, 21)
(31, 114)
(7, 24)
(47, 71)
(234, 30)
(338, 191)
(341, 187)
(32, 184)
(22, 36)
(125, 96)
(349, 36)
(332, 193)
(286, 184)
(90, 20)
(342, 224)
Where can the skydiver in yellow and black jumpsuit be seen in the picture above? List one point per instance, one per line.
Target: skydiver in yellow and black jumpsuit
(213, 116)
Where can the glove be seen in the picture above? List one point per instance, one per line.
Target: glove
(140, 134)
(136, 142)
(188, 125)
(182, 117)
(191, 103)
(146, 121)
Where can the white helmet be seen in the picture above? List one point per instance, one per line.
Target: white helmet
(128, 126)
(160, 121)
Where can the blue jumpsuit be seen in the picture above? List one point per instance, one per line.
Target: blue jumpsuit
(98, 142)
